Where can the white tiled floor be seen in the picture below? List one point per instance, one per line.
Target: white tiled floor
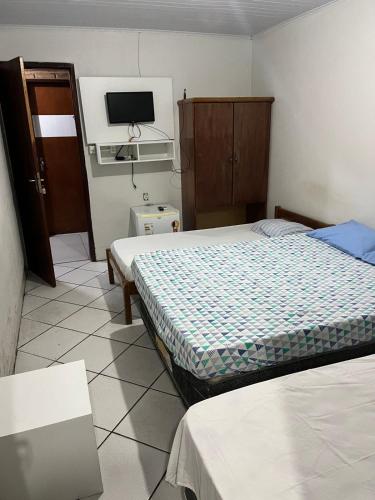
(69, 247)
(136, 407)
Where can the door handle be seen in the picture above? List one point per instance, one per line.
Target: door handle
(235, 157)
(38, 184)
(41, 188)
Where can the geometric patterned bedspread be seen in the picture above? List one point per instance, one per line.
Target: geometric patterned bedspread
(233, 308)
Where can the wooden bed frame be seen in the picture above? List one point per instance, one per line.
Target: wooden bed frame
(192, 389)
(129, 288)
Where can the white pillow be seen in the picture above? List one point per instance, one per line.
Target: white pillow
(278, 227)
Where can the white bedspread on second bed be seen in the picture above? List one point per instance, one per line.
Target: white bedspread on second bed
(126, 249)
(306, 436)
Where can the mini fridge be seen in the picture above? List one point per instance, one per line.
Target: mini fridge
(155, 219)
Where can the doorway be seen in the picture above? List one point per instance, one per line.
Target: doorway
(47, 99)
(54, 121)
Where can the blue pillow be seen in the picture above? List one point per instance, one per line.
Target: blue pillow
(350, 237)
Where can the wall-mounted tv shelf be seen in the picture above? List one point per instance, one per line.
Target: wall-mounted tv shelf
(135, 152)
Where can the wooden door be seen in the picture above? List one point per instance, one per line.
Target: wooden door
(27, 177)
(251, 150)
(213, 155)
(58, 152)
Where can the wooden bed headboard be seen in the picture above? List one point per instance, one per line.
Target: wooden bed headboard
(281, 213)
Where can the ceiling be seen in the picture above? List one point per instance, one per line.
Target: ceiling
(236, 17)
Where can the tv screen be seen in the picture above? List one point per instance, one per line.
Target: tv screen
(130, 107)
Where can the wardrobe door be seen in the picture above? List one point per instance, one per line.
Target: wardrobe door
(213, 155)
(251, 151)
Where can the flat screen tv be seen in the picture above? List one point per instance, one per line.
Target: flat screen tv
(130, 107)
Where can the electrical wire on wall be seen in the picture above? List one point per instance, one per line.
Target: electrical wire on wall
(136, 126)
(163, 134)
(155, 129)
(139, 54)
(117, 157)
(134, 185)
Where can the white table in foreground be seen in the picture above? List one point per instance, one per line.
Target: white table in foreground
(306, 436)
(47, 441)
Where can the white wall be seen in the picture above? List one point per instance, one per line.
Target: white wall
(11, 271)
(207, 65)
(320, 68)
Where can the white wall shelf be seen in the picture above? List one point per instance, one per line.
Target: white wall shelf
(135, 152)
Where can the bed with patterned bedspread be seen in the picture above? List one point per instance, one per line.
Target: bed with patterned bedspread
(234, 308)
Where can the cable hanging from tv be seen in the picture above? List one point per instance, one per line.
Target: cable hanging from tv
(132, 135)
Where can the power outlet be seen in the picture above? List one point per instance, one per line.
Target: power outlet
(92, 149)
(146, 197)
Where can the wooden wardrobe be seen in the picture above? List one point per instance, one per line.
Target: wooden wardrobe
(224, 149)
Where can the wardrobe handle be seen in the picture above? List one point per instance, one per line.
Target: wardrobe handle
(235, 157)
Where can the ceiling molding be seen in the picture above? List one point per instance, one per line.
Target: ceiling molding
(130, 30)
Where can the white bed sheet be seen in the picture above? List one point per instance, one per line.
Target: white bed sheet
(125, 249)
(306, 436)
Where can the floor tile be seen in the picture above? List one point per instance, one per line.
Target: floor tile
(153, 420)
(53, 312)
(68, 239)
(50, 292)
(111, 399)
(67, 247)
(100, 266)
(101, 281)
(54, 343)
(85, 241)
(29, 330)
(76, 264)
(90, 376)
(30, 303)
(117, 330)
(82, 295)
(165, 384)
(100, 435)
(111, 301)
(145, 341)
(87, 320)
(129, 467)
(27, 362)
(78, 276)
(60, 270)
(96, 352)
(167, 492)
(137, 365)
(32, 281)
